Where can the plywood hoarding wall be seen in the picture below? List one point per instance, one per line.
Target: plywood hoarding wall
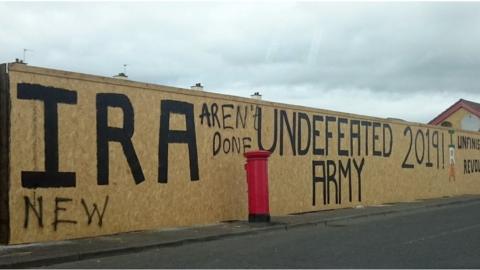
(89, 155)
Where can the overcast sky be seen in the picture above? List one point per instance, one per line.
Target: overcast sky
(404, 60)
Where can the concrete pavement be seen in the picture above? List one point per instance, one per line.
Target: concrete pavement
(42, 254)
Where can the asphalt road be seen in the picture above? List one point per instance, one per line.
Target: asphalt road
(442, 237)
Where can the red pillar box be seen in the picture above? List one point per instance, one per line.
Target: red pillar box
(257, 179)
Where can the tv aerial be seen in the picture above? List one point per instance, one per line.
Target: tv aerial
(25, 54)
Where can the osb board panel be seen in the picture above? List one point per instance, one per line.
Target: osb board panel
(410, 161)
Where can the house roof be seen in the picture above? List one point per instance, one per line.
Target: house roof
(470, 106)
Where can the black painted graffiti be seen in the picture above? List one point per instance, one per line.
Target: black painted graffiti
(228, 117)
(231, 116)
(35, 206)
(95, 210)
(59, 209)
(423, 143)
(38, 212)
(471, 166)
(231, 144)
(319, 140)
(332, 172)
(467, 142)
(211, 115)
(292, 133)
(52, 97)
(168, 136)
(106, 134)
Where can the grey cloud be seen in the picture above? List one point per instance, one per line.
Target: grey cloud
(288, 50)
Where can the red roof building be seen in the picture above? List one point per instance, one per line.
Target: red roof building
(463, 114)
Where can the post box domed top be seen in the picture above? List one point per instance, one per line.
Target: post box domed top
(257, 154)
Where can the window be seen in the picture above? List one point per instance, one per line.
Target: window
(446, 124)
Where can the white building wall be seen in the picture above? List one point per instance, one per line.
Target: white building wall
(471, 122)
